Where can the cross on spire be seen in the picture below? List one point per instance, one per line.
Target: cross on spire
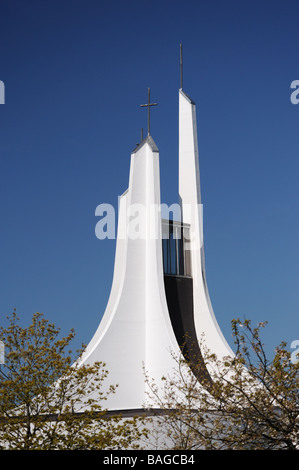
(181, 66)
(148, 105)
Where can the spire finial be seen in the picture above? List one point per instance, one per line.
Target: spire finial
(181, 66)
(148, 105)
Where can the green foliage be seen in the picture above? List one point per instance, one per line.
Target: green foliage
(253, 402)
(47, 401)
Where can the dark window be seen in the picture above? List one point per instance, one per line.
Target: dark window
(176, 255)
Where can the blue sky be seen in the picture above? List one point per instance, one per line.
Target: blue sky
(75, 73)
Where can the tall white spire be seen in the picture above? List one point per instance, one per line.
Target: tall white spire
(192, 214)
(150, 309)
(136, 329)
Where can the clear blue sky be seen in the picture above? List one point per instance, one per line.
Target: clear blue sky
(75, 73)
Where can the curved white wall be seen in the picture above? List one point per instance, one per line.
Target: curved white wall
(136, 329)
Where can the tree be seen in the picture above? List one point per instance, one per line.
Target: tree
(252, 404)
(48, 401)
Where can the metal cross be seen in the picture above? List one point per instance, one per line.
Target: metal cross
(148, 105)
(181, 66)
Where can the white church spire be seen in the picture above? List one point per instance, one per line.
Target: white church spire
(136, 329)
(192, 214)
(159, 291)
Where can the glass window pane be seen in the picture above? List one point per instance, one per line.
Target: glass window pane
(164, 251)
(187, 253)
(175, 245)
(173, 255)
